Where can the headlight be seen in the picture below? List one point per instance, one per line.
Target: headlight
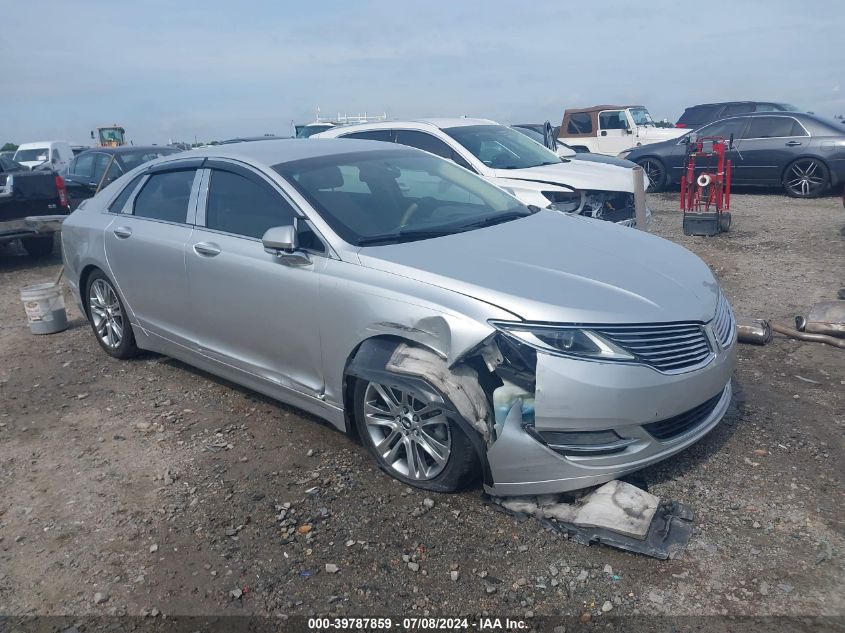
(563, 340)
(565, 201)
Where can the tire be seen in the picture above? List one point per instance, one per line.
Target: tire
(107, 316)
(41, 246)
(806, 178)
(459, 465)
(725, 221)
(655, 169)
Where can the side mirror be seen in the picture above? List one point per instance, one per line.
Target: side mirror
(280, 239)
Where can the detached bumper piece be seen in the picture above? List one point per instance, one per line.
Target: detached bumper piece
(617, 515)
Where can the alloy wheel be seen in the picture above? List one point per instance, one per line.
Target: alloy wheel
(411, 436)
(106, 315)
(654, 170)
(806, 178)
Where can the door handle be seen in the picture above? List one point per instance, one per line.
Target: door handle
(793, 143)
(122, 232)
(207, 249)
(92, 184)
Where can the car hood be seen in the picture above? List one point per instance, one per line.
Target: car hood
(655, 134)
(559, 268)
(577, 174)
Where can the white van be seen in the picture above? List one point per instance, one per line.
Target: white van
(55, 155)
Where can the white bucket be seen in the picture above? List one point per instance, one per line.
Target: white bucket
(45, 307)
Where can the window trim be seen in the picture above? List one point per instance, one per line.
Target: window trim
(130, 201)
(601, 129)
(776, 116)
(249, 172)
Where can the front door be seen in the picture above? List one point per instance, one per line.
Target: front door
(145, 250)
(253, 310)
(614, 132)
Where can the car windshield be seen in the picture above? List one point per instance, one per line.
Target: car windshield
(392, 196)
(789, 107)
(641, 116)
(501, 147)
(131, 160)
(309, 130)
(37, 153)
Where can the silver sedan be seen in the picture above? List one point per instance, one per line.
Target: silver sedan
(457, 332)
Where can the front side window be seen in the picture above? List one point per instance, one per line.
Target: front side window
(101, 162)
(724, 128)
(398, 195)
(241, 206)
(580, 123)
(613, 120)
(165, 196)
(774, 127)
(501, 147)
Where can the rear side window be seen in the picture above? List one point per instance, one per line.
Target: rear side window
(774, 127)
(83, 166)
(431, 144)
(372, 135)
(241, 206)
(724, 128)
(699, 115)
(580, 123)
(123, 198)
(737, 108)
(165, 196)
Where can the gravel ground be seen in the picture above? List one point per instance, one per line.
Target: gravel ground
(150, 488)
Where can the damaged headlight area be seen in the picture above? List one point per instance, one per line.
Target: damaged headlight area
(561, 340)
(612, 206)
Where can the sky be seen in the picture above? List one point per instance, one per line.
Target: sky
(182, 70)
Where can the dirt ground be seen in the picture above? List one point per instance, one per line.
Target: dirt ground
(149, 488)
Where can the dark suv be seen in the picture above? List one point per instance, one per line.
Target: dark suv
(696, 116)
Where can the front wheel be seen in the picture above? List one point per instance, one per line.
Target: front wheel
(806, 178)
(656, 172)
(413, 440)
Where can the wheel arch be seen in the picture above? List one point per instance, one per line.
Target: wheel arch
(368, 362)
(833, 180)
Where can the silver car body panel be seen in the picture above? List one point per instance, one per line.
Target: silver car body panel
(294, 343)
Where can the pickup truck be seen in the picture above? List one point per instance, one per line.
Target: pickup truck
(611, 129)
(33, 205)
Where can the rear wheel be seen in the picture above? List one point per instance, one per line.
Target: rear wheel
(108, 317)
(656, 172)
(413, 440)
(806, 178)
(38, 246)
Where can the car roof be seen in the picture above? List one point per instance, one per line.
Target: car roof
(724, 103)
(286, 150)
(597, 108)
(441, 123)
(36, 144)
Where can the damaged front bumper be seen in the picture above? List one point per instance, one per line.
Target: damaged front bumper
(594, 422)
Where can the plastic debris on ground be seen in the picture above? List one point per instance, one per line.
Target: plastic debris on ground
(615, 514)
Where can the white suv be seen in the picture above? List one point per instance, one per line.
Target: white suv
(514, 162)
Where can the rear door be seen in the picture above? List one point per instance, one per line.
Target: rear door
(768, 145)
(253, 310)
(145, 250)
(614, 132)
(80, 178)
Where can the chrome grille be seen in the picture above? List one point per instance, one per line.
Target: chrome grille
(724, 326)
(668, 347)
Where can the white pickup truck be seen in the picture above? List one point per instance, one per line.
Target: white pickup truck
(610, 129)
